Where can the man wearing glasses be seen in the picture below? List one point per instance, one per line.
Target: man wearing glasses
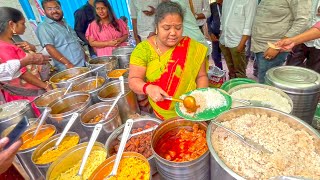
(59, 39)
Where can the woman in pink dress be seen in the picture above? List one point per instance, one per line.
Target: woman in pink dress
(106, 32)
(28, 85)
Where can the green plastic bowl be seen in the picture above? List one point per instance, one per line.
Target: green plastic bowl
(235, 82)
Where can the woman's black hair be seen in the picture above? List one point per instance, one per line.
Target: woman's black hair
(165, 8)
(43, 2)
(9, 14)
(111, 17)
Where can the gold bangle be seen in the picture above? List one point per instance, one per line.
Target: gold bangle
(47, 85)
(61, 58)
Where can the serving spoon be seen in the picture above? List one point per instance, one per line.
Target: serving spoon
(189, 102)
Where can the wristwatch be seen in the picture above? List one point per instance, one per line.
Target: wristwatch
(196, 16)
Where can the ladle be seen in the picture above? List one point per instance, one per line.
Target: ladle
(244, 139)
(138, 133)
(67, 89)
(126, 133)
(43, 117)
(92, 70)
(189, 102)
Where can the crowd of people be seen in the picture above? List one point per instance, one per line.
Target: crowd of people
(172, 52)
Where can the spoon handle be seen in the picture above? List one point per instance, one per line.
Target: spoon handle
(66, 129)
(173, 99)
(44, 116)
(126, 132)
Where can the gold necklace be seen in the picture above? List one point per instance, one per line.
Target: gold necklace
(155, 43)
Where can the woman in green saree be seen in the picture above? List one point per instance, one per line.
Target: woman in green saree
(167, 64)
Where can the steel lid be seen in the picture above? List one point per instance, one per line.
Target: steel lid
(7, 110)
(294, 79)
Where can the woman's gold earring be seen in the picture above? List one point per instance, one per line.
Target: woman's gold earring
(14, 31)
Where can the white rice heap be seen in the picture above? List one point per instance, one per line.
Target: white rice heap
(208, 99)
(294, 152)
(266, 96)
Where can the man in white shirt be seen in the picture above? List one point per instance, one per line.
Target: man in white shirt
(201, 11)
(142, 15)
(236, 22)
(308, 54)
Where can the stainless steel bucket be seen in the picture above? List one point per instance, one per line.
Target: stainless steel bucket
(138, 123)
(45, 99)
(12, 112)
(302, 86)
(109, 126)
(24, 157)
(219, 170)
(123, 53)
(57, 79)
(63, 108)
(128, 104)
(111, 63)
(45, 146)
(89, 82)
(196, 169)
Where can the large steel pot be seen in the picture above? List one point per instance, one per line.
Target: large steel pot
(277, 90)
(128, 104)
(45, 99)
(100, 172)
(123, 53)
(109, 125)
(57, 80)
(69, 159)
(12, 112)
(111, 63)
(63, 108)
(196, 169)
(302, 86)
(86, 83)
(219, 170)
(138, 123)
(44, 147)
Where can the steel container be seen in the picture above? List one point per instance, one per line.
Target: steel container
(42, 101)
(302, 86)
(87, 82)
(24, 157)
(196, 169)
(69, 159)
(128, 104)
(57, 82)
(138, 123)
(219, 170)
(101, 170)
(63, 108)
(12, 112)
(111, 63)
(123, 53)
(109, 125)
(277, 90)
(125, 75)
(44, 147)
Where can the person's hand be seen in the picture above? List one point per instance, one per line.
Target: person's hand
(285, 44)
(270, 53)
(214, 38)
(7, 156)
(240, 47)
(34, 58)
(69, 65)
(113, 42)
(156, 93)
(26, 46)
(137, 40)
(151, 12)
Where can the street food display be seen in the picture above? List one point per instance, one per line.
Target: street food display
(181, 145)
(293, 152)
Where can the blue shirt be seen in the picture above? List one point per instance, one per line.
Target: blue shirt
(64, 39)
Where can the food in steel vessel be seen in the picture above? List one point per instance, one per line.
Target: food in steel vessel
(29, 141)
(116, 73)
(294, 152)
(140, 144)
(52, 154)
(95, 158)
(99, 117)
(90, 86)
(182, 144)
(129, 168)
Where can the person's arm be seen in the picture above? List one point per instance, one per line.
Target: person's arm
(7, 156)
(26, 46)
(124, 31)
(80, 19)
(31, 79)
(202, 78)
(54, 53)
(301, 13)
(205, 12)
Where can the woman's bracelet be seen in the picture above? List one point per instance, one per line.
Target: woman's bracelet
(47, 85)
(144, 89)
